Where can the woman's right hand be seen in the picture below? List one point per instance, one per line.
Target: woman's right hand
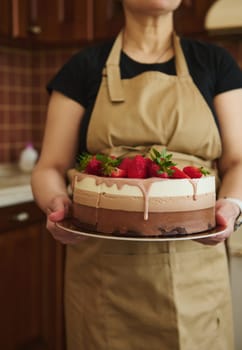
(56, 212)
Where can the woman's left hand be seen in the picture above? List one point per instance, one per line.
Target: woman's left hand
(226, 214)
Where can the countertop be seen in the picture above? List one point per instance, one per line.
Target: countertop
(15, 185)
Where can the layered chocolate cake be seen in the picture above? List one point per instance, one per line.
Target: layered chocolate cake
(152, 206)
(169, 202)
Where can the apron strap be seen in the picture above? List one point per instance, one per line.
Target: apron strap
(115, 86)
(182, 70)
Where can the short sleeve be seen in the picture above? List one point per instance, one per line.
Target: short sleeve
(70, 80)
(228, 74)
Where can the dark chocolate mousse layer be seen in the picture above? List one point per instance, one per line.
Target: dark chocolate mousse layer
(117, 222)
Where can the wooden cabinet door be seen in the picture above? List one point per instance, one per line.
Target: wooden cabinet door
(189, 18)
(67, 21)
(53, 261)
(60, 21)
(107, 19)
(52, 20)
(31, 282)
(6, 18)
(20, 288)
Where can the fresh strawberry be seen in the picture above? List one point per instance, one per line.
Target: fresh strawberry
(94, 167)
(117, 172)
(138, 167)
(154, 170)
(160, 164)
(125, 163)
(89, 164)
(195, 172)
(177, 173)
(110, 165)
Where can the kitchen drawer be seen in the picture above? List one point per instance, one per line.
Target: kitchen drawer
(17, 216)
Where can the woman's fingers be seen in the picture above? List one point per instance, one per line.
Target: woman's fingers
(226, 214)
(56, 212)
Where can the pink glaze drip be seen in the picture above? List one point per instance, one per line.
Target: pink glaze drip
(194, 186)
(144, 185)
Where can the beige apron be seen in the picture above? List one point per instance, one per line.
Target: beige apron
(124, 295)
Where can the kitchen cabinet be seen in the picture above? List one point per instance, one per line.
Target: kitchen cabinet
(5, 23)
(58, 21)
(47, 21)
(108, 19)
(190, 17)
(55, 20)
(31, 274)
(71, 21)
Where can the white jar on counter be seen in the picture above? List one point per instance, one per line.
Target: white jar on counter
(28, 158)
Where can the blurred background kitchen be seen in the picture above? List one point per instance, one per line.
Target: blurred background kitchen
(36, 38)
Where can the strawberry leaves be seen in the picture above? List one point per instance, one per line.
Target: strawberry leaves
(83, 161)
(163, 163)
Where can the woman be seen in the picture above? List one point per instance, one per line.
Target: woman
(130, 295)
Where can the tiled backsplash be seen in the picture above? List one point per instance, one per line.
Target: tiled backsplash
(23, 97)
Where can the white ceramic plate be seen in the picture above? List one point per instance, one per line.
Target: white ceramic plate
(69, 226)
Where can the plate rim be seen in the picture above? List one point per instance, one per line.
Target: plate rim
(218, 230)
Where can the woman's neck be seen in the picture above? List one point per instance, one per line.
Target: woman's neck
(150, 40)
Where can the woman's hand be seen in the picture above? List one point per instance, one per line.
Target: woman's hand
(226, 214)
(57, 211)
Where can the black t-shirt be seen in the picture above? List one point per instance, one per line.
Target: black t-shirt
(211, 67)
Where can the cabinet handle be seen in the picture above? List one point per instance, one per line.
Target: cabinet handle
(21, 217)
(35, 29)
